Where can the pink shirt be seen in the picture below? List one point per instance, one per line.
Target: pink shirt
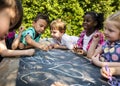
(80, 40)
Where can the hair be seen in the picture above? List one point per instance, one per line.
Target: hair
(41, 16)
(98, 17)
(115, 18)
(15, 6)
(58, 24)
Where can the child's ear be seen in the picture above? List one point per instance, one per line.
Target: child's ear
(33, 23)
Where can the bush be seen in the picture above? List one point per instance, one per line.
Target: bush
(71, 11)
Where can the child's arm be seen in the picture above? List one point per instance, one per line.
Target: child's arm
(17, 40)
(97, 62)
(6, 52)
(56, 46)
(33, 43)
(94, 44)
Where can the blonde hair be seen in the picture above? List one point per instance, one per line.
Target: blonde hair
(58, 24)
(114, 18)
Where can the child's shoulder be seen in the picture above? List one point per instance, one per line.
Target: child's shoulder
(30, 29)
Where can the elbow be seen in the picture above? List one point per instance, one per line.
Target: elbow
(89, 55)
(28, 41)
(14, 47)
(3, 53)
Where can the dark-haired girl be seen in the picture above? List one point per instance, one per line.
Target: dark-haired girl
(92, 23)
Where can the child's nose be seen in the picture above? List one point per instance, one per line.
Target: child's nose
(51, 34)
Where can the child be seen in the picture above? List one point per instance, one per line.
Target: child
(10, 18)
(92, 23)
(109, 52)
(31, 36)
(60, 39)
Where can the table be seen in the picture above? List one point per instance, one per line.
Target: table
(8, 71)
(44, 68)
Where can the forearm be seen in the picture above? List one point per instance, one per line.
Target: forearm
(61, 47)
(110, 64)
(16, 42)
(91, 50)
(9, 53)
(117, 71)
(35, 44)
(28, 46)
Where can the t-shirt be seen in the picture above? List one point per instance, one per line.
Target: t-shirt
(86, 40)
(81, 42)
(68, 41)
(30, 31)
(111, 53)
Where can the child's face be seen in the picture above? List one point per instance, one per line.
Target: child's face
(112, 33)
(4, 22)
(56, 34)
(40, 26)
(89, 22)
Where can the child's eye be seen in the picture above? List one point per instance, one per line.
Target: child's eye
(110, 30)
(41, 26)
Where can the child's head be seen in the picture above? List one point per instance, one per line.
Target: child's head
(93, 21)
(112, 27)
(57, 28)
(40, 23)
(10, 16)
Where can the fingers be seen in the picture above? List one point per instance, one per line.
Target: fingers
(21, 29)
(107, 73)
(97, 35)
(104, 73)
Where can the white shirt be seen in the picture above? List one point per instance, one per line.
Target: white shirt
(86, 40)
(68, 41)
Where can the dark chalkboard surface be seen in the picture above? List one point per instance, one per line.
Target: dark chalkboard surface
(44, 68)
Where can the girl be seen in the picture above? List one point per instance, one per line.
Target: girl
(92, 23)
(109, 52)
(11, 13)
(60, 39)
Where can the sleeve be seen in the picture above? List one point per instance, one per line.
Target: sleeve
(101, 39)
(30, 33)
(25, 33)
(67, 41)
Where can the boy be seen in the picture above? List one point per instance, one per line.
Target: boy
(60, 39)
(31, 36)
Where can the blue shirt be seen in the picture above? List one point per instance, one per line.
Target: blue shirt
(30, 31)
(111, 52)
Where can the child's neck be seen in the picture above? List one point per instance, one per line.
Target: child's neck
(89, 32)
(60, 38)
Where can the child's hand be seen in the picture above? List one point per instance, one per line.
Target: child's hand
(107, 74)
(75, 46)
(21, 29)
(95, 60)
(96, 37)
(50, 47)
(45, 48)
(55, 46)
